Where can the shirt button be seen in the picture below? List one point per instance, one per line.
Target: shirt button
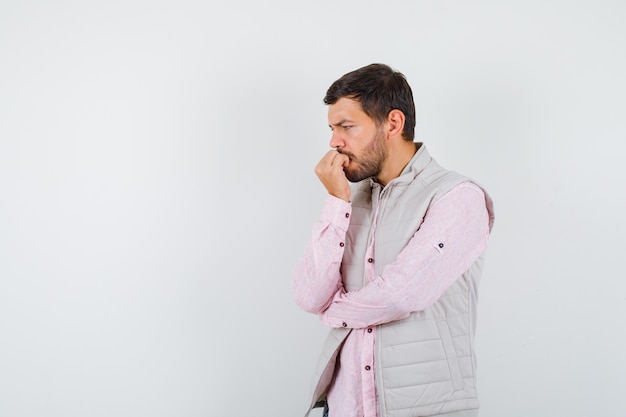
(370, 260)
(344, 324)
(347, 215)
(367, 367)
(440, 245)
(341, 244)
(369, 330)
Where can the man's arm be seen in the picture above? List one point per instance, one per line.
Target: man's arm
(317, 277)
(454, 233)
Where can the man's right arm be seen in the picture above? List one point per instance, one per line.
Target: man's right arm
(317, 275)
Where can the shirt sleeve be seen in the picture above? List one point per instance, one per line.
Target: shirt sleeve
(317, 276)
(452, 236)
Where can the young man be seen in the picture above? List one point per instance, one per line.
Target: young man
(394, 262)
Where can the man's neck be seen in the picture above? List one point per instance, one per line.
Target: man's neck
(397, 159)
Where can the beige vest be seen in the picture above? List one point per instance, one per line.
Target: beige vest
(425, 364)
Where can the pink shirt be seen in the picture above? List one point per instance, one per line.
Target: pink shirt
(413, 282)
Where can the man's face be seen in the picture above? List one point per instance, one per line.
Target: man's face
(357, 136)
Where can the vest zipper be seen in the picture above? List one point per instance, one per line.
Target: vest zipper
(372, 230)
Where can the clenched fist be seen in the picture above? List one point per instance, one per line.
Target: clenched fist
(330, 172)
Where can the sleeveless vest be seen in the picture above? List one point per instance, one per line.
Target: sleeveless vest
(425, 363)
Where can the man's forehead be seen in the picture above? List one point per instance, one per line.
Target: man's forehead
(345, 109)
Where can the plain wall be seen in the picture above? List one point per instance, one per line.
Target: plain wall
(157, 187)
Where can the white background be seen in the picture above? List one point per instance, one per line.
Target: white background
(157, 186)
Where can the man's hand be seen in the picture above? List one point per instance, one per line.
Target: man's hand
(330, 172)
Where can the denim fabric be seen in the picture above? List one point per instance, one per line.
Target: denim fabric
(325, 410)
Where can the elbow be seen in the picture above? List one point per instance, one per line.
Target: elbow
(310, 296)
(310, 304)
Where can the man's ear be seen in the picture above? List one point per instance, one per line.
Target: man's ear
(395, 123)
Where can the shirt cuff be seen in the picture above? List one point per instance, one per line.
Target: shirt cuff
(337, 212)
(329, 321)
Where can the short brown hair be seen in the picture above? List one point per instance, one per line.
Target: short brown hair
(379, 89)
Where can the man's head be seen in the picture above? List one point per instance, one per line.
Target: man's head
(372, 116)
(380, 90)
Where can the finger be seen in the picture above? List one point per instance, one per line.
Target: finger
(329, 157)
(328, 164)
(339, 159)
(344, 159)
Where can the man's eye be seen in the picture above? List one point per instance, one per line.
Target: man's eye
(347, 127)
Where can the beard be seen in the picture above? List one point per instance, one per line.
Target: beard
(370, 162)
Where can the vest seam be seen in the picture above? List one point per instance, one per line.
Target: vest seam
(425, 362)
(413, 363)
(430, 405)
(427, 383)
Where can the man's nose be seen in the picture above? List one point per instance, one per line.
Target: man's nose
(336, 141)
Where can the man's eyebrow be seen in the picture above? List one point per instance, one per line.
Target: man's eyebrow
(339, 123)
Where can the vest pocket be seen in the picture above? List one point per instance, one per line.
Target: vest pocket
(448, 347)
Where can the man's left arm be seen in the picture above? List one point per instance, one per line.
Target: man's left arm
(452, 236)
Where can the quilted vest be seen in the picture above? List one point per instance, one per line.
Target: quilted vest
(425, 363)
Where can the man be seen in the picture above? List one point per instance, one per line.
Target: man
(394, 262)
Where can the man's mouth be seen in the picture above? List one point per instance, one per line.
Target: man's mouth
(348, 154)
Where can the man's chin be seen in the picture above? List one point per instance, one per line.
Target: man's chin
(355, 177)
